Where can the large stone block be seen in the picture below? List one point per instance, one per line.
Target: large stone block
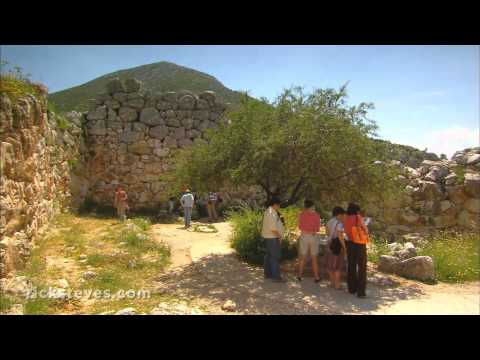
(128, 114)
(131, 136)
(186, 102)
(456, 194)
(100, 113)
(98, 128)
(170, 142)
(472, 205)
(159, 132)
(151, 117)
(472, 184)
(179, 133)
(418, 268)
(140, 148)
(468, 220)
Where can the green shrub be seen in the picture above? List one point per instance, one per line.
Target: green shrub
(455, 255)
(247, 241)
(378, 247)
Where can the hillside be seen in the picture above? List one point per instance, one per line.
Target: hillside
(408, 155)
(157, 77)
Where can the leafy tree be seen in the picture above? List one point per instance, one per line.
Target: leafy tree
(300, 145)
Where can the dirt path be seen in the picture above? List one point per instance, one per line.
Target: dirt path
(206, 271)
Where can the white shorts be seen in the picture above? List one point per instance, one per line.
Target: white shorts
(308, 244)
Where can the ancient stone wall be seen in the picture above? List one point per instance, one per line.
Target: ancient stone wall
(37, 153)
(132, 133)
(438, 194)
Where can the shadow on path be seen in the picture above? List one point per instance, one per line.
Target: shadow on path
(216, 278)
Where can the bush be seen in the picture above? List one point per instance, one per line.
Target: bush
(247, 241)
(455, 255)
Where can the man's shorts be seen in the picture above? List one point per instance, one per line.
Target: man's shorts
(308, 244)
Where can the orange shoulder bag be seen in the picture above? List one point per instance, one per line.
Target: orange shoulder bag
(359, 235)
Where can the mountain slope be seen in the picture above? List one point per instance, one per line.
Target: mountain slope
(161, 76)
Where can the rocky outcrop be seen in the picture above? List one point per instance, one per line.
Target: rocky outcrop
(131, 135)
(438, 194)
(38, 154)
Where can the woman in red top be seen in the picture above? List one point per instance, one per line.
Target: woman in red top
(356, 253)
(309, 225)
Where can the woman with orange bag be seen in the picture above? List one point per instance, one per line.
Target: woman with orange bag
(357, 233)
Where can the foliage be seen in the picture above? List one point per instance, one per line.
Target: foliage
(15, 84)
(407, 155)
(455, 255)
(301, 145)
(157, 77)
(247, 240)
(460, 172)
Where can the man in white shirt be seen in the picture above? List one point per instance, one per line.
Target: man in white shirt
(187, 201)
(272, 234)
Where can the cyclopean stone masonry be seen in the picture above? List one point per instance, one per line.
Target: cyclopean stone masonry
(132, 133)
(37, 155)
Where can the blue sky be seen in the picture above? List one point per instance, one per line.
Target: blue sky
(425, 96)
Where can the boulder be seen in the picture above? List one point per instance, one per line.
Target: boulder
(451, 179)
(418, 268)
(460, 158)
(388, 264)
(140, 148)
(179, 133)
(121, 97)
(473, 159)
(208, 96)
(100, 113)
(151, 117)
(127, 114)
(173, 122)
(472, 184)
(131, 136)
(186, 102)
(436, 173)
(183, 143)
(159, 132)
(98, 128)
(445, 220)
(113, 104)
(115, 86)
(468, 220)
(456, 194)
(408, 217)
(132, 85)
(472, 205)
(428, 190)
(229, 306)
(170, 142)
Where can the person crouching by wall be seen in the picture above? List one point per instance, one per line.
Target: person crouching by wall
(121, 203)
(272, 234)
(336, 248)
(357, 233)
(309, 225)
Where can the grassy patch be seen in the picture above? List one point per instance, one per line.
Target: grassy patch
(377, 247)
(142, 222)
(5, 302)
(455, 255)
(15, 88)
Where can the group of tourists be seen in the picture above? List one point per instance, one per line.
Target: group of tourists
(347, 238)
(187, 202)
